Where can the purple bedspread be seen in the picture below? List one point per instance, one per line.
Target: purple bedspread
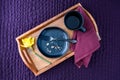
(18, 16)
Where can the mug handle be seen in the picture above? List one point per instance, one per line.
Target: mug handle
(83, 29)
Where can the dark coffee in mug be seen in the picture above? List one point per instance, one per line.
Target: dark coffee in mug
(74, 21)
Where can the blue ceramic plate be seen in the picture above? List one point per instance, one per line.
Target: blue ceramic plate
(53, 48)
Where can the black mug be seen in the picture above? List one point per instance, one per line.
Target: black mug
(74, 21)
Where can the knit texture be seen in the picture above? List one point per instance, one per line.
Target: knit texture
(19, 16)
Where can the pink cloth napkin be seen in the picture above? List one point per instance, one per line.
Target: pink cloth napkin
(87, 42)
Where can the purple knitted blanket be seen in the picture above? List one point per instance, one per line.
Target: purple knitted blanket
(18, 16)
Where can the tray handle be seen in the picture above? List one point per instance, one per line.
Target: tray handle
(26, 58)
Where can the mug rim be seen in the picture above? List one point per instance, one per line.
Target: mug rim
(65, 17)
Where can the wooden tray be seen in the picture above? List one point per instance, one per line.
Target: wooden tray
(35, 64)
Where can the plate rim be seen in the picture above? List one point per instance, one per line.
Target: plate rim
(56, 56)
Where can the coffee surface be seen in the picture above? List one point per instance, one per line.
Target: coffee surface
(73, 22)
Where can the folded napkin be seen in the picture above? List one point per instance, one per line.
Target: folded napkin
(87, 42)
